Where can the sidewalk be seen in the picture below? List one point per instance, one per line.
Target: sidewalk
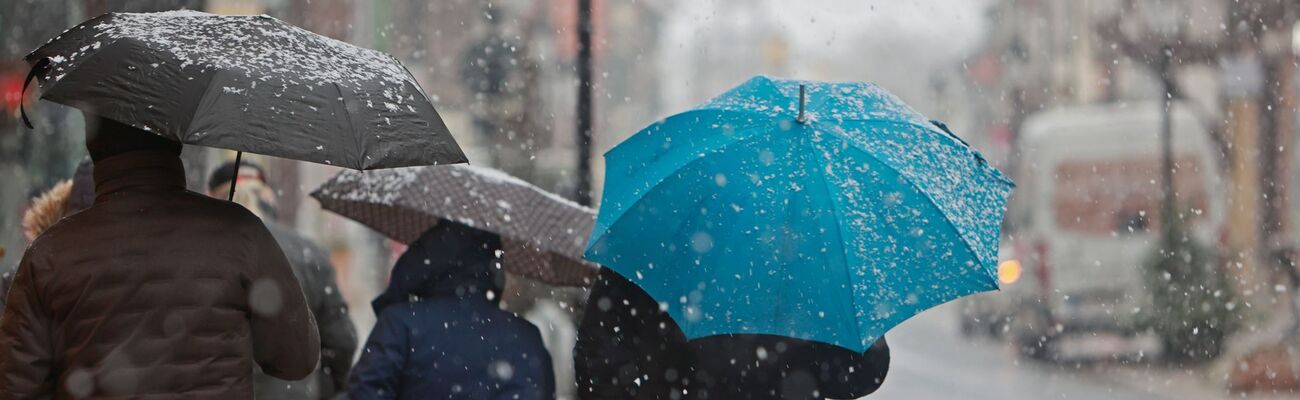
(1197, 384)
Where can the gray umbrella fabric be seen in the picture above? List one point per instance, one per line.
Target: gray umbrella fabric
(246, 83)
(543, 235)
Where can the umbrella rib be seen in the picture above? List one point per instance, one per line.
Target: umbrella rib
(929, 127)
(752, 132)
(838, 133)
(835, 203)
(337, 204)
(352, 127)
(927, 197)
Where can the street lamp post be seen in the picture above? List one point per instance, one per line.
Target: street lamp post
(1169, 198)
(584, 111)
(1185, 273)
(1163, 20)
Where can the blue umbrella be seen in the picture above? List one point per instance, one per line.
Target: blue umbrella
(752, 215)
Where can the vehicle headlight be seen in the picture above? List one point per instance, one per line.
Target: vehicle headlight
(1009, 271)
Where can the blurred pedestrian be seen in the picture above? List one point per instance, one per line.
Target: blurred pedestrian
(65, 198)
(46, 209)
(630, 348)
(559, 335)
(536, 302)
(152, 290)
(441, 333)
(315, 273)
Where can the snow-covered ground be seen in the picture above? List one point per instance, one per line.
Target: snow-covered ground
(932, 361)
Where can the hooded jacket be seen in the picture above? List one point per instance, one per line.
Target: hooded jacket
(152, 292)
(629, 348)
(441, 333)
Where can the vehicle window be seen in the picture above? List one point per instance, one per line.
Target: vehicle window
(1122, 196)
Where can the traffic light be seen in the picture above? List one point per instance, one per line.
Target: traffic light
(11, 91)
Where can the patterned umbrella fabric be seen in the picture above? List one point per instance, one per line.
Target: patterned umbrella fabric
(543, 235)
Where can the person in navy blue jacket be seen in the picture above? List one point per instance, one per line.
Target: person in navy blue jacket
(441, 333)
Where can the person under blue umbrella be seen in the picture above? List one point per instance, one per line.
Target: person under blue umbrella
(781, 216)
(630, 348)
(441, 333)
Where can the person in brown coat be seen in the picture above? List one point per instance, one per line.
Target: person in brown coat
(152, 292)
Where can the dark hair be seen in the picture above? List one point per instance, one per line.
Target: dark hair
(106, 138)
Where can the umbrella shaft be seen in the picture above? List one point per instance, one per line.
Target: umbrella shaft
(239, 155)
(800, 118)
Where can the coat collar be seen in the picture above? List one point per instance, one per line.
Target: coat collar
(136, 169)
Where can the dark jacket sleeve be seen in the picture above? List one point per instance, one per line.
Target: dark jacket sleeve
(286, 343)
(627, 347)
(337, 335)
(876, 365)
(598, 357)
(868, 372)
(6, 280)
(377, 374)
(548, 377)
(26, 349)
(535, 379)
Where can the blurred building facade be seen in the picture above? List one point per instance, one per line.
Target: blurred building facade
(1046, 54)
(1233, 64)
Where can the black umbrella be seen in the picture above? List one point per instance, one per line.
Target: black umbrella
(246, 83)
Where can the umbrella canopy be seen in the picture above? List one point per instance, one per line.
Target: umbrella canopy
(752, 215)
(247, 83)
(542, 234)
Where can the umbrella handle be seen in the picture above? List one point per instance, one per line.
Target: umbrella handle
(40, 67)
(239, 155)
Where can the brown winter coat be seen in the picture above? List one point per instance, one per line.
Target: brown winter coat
(152, 292)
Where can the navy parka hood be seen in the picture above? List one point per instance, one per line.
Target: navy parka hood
(448, 260)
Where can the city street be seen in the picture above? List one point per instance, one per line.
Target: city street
(583, 198)
(930, 360)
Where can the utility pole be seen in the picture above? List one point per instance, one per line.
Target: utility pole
(1169, 197)
(584, 113)
(1161, 58)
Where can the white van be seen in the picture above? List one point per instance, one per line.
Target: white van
(1085, 216)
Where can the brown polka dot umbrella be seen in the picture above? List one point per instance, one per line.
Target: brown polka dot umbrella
(543, 235)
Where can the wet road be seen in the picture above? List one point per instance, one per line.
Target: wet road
(931, 361)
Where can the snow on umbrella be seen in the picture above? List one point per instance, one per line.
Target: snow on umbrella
(246, 83)
(542, 234)
(752, 215)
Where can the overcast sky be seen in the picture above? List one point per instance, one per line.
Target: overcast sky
(898, 44)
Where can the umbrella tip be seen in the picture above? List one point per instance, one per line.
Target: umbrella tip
(801, 118)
